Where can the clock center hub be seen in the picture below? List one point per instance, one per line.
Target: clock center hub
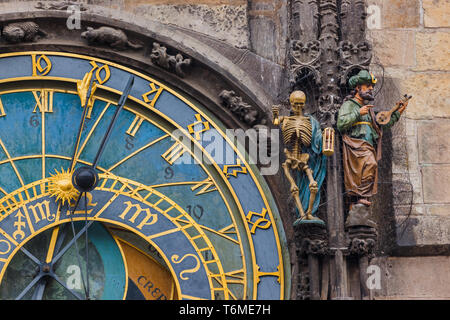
(46, 268)
(85, 179)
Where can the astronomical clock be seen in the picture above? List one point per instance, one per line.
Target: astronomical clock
(109, 189)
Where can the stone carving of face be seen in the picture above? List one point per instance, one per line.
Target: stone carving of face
(14, 34)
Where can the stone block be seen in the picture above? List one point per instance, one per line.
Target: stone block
(414, 277)
(438, 210)
(432, 51)
(429, 94)
(436, 184)
(398, 13)
(422, 230)
(434, 145)
(393, 48)
(436, 13)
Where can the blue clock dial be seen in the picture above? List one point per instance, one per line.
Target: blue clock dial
(209, 228)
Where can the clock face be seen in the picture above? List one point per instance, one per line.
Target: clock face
(173, 216)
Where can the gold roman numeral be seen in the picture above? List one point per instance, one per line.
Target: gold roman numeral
(135, 125)
(206, 186)
(173, 153)
(44, 101)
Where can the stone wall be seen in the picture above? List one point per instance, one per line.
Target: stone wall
(411, 40)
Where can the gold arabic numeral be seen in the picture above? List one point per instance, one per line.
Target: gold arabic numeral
(194, 127)
(41, 66)
(44, 101)
(206, 186)
(2, 109)
(135, 125)
(148, 216)
(173, 153)
(154, 90)
(260, 222)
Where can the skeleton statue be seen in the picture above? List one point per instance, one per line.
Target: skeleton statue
(302, 138)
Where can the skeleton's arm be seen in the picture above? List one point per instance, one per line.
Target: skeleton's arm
(276, 115)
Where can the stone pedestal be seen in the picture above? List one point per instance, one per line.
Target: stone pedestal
(362, 234)
(312, 242)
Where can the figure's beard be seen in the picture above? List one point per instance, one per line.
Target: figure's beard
(366, 95)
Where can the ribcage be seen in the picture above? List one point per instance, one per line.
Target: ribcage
(299, 130)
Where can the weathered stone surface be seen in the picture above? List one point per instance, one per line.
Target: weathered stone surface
(434, 145)
(413, 278)
(432, 50)
(436, 13)
(398, 13)
(429, 94)
(438, 210)
(407, 189)
(223, 22)
(422, 230)
(436, 184)
(393, 48)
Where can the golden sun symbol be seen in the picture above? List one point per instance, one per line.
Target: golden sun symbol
(60, 186)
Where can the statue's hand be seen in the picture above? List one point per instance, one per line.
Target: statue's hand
(403, 106)
(365, 110)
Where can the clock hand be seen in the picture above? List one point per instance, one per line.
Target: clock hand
(121, 103)
(60, 234)
(86, 244)
(85, 92)
(85, 179)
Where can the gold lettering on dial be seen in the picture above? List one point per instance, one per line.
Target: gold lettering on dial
(40, 66)
(44, 101)
(153, 90)
(153, 218)
(41, 211)
(206, 186)
(193, 128)
(135, 125)
(176, 259)
(100, 76)
(260, 222)
(173, 153)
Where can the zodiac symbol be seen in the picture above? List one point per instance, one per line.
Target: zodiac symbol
(19, 224)
(175, 259)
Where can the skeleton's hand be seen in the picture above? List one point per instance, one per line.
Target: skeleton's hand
(276, 110)
(276, 114)
(314, 186)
